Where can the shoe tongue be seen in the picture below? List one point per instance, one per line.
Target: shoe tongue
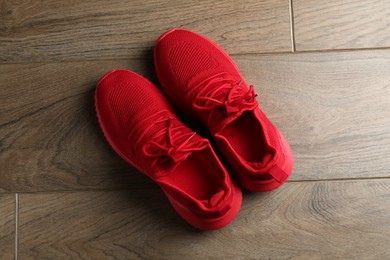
(222, 95)
(146, 128)
(223, 117)
(178, 135)
(158, 134)
(214, 200)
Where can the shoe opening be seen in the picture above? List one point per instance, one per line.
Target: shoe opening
(200, 177)
(246, 137)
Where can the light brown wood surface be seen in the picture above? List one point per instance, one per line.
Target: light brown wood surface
(7, 226)
(73, 30)
(299, 221)
(333, 108)
(51, 138)
(341, 24)
(79, 200)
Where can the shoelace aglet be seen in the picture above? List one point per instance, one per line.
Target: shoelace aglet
(193, 134)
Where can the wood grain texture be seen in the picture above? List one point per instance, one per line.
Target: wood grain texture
(323, 220)
(332, 108)
(79, 30)
(50, 138)
(7, 226)
(341, 24)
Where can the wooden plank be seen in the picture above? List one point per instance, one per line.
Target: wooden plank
(311, 220)
(341, 24)
(332, 108)
(50, 137)
(7, 226)
(80, 30)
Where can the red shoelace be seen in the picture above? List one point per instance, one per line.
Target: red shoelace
(171, 144)
(221, 95)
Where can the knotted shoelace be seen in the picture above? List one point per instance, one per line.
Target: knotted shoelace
(222, 93)
(171, 144)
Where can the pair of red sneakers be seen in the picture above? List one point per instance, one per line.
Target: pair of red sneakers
(201, 80)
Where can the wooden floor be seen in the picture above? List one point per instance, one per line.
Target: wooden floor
(322, 71)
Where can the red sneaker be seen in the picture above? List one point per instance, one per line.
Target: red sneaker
(202, 80)
(139, 124)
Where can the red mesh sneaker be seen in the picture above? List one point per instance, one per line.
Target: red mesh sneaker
(203, 81)
(139, 124)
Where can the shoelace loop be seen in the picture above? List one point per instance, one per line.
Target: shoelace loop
(223, 92)
(164, 149)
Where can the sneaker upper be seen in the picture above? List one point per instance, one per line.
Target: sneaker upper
(140, 125)
(201, 79)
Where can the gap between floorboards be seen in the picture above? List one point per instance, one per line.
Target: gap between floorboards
(241, 55)
(156, 188)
